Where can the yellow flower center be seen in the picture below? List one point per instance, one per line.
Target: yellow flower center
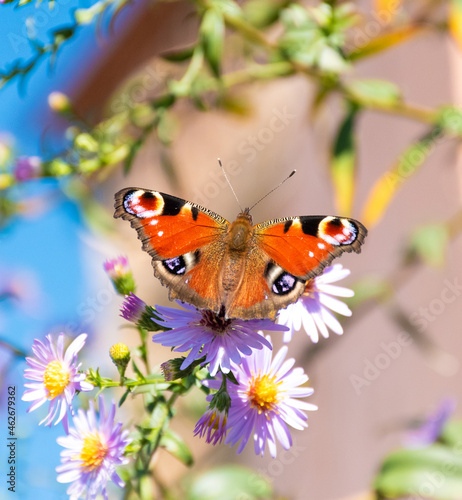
(263, 392)
(119, 270)
(55, 379)
(214, 421)
(94, 450)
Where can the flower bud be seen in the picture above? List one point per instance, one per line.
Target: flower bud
(171, 369)
(120, 355)
(27, 167)
(137, 311)
(59, 102)
(120, 274)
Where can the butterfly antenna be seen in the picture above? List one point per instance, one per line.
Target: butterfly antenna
(274, 189)
(229, 183)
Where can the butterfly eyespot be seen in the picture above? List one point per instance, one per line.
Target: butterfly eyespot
(176, 265)
(284, 284)
(143, 204)
(337, 231)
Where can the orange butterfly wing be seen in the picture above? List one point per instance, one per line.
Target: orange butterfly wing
(305, 245)
(288, 252)
(239, 270)
(184, 240)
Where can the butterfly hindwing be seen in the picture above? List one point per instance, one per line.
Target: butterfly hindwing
(265, 288)
(178, 235)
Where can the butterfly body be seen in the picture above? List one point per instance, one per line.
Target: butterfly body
(235, 269)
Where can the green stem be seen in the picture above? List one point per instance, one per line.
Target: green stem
(130, 383)
(144, 349)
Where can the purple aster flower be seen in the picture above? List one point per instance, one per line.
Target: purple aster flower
(312, 309)
(264, 402)
(137, 311)
(212, 425)
(432, 427)
(132, 308)
(93, 449)
(27, 167)
(205, 333)
(56, 377)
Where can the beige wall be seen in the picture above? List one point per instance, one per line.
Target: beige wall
(339, 452)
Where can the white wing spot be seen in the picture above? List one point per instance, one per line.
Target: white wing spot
(160, 233)
(311, 254)
(321, 246)
(154, 222)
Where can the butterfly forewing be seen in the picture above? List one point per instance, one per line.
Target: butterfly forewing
(304, 246)
(179, 236)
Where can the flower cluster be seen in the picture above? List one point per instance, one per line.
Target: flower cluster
(93, 447)
(255, 396)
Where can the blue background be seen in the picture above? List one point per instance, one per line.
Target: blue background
(47, 246)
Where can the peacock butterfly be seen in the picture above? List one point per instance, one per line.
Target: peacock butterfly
(237, 270)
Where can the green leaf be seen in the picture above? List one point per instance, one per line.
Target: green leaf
(86, 142)
(138, 372)
(86, 16)
(429, 243)
(262, 13)
(452, 433)
(432, 472)
(135, 146)
(450, 119)
(175, 445)
(365, 46)
(212, 33)
(343, 162)
(116, 155)
(374, 92)
(229, 482)
(179, 55)
(124, 397)
(166, 127)
(372, 287)
(386, 187)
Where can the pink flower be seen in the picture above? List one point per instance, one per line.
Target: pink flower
(27, 167)
(93, 449)
(56, 377)
(266, 401)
